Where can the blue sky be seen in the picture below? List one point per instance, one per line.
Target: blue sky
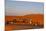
(23, 8)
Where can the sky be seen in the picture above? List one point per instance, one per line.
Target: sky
(20, 8)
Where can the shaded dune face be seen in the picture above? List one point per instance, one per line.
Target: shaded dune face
(36, 18)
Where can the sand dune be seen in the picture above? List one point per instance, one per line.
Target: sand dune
(37, 18)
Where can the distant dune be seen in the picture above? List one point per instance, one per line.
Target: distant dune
(37, 18)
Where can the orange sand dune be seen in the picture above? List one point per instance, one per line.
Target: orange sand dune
(37, 18)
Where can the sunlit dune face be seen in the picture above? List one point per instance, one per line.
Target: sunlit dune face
(36, 18)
